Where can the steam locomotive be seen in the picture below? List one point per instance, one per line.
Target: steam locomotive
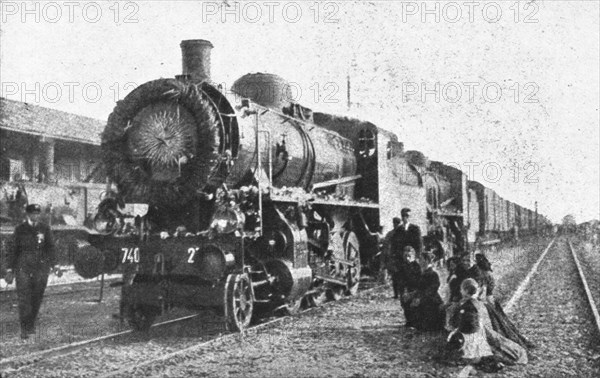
(244, 200)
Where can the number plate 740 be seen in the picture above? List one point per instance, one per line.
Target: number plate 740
(131, 255)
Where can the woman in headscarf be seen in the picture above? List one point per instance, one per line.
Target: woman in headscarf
(482, 273)
(480, 340)
(458, 271)
(429, 315)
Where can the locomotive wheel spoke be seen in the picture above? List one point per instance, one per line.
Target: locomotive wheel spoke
(239, 303)
(351, 251)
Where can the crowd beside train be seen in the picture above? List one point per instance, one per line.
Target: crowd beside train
(479, 331)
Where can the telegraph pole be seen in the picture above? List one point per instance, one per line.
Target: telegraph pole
(348, 87)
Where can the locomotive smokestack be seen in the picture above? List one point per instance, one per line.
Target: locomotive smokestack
(196, 59)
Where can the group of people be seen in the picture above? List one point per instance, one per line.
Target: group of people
(479, 331)
(414, 280)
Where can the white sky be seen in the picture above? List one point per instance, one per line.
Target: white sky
(546, 123)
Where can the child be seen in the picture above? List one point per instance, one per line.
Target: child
(481, 342)
(470, 324)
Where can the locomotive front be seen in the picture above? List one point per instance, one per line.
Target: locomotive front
(191, 222)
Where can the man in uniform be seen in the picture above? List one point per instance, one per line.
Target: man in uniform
(407, 234)
(30, 260)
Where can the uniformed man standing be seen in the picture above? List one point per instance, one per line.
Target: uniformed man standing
(407, 234)
(30, 261)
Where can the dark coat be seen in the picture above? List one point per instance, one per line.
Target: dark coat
(455, 280)
(410, 237)
(468, 318)
(33, 248)
(429, 314)
(483, 277)
(411, 276)
(430, 282)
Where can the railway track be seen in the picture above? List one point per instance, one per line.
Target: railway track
(555, 311)
(165, 340)
(554, 307)
(65, 350)
(166, 346)
(588, 291)
(60, 289)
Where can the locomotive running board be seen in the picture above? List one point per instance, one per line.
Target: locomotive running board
(342, 180)
(331, 280)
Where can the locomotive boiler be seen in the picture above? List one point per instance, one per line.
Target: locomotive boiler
(232, 200)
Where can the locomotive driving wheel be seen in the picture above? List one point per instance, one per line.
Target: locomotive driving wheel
(352, 254)
(239, 304)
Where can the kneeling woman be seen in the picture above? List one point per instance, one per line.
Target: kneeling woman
(429, 314)
(482, 273)
(480, 340)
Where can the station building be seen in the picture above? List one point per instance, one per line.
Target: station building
(52, 158)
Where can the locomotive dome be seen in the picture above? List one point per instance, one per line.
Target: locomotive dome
(269, 90)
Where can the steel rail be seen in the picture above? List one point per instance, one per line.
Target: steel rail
(225, 338)
(47, 354)
(523, 285)
(33, 358)
(467, 370)
(588, 292)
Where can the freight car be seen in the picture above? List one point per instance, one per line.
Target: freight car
(243, 200)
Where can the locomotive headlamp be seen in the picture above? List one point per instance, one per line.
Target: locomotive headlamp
(106, 223)
(226, 220)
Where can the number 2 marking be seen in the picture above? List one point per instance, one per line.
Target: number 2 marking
(192, 252)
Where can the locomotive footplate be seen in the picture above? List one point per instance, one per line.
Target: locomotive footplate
(179, 291)
(182, 271)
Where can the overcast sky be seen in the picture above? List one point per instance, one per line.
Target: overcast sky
(507, 88)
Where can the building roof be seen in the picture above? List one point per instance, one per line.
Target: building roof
(33, 119)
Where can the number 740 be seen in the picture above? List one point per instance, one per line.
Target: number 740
(131, 255)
